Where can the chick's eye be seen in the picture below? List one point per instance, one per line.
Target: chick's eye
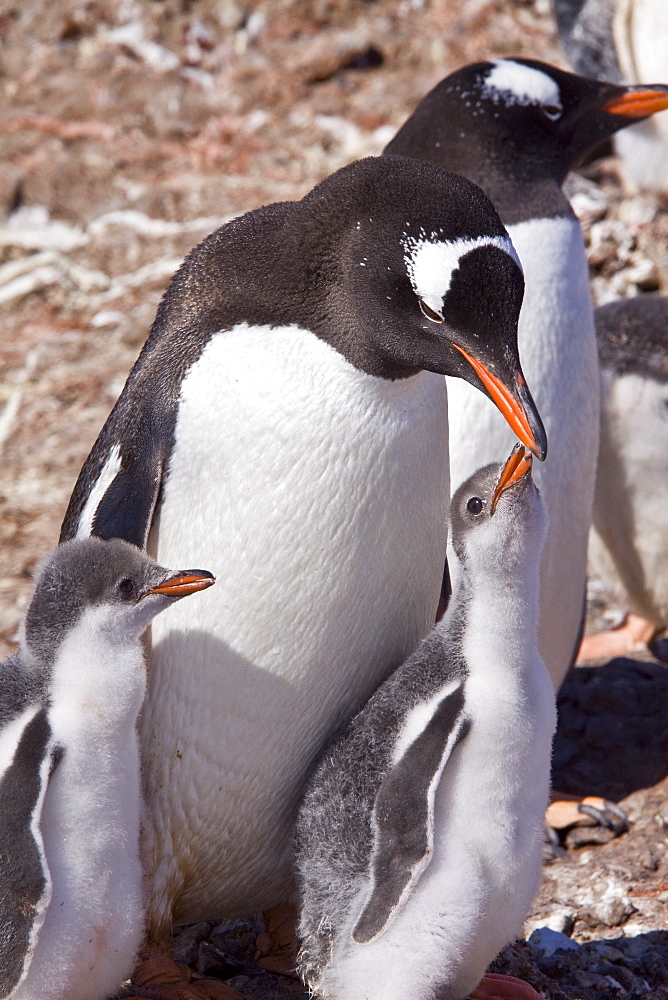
(430, 313)
(127, 588)
(552, 111)
(475, 505)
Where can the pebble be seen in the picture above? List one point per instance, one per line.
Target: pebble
(544, 942)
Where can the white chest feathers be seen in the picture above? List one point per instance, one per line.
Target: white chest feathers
(628, 541)
(89, 824)
(557, 346)
(318, 496)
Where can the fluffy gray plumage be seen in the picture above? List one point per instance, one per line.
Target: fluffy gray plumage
(585, 31)
(338, 822)
(78, 576)
(632, 336)
(334, 835)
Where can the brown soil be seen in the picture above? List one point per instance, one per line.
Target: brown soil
(130, 129)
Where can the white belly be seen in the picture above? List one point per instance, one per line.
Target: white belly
(557, 346)
(629, 539)
(317, 495)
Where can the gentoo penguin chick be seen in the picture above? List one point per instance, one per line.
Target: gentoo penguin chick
(516, 127)
(408, 888)
(71, 897)
(287, 420)
(628, 546)
(623, 41)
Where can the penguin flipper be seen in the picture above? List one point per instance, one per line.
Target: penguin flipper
(117, 489)
(403, 814)
(25, 881)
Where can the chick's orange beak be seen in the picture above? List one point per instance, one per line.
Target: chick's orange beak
(518, 465)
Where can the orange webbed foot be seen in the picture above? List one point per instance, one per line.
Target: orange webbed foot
(632, 636)
(494, 986)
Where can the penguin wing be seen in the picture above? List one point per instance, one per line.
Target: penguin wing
(403, 812)
(118, 486)
(25, 882)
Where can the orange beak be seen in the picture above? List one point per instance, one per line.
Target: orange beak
(187, 582)
(638, 102)
(513, 407)
(518, 465)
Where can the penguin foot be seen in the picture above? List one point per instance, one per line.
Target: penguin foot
(276, 950)
(576, 821)
(494, 986)
(632, 636)
(158, 977)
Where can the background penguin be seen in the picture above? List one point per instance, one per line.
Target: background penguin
(516, 127)
(288, 412)
(408, 888)
(623, 41)
(630, 531)
(71, 893)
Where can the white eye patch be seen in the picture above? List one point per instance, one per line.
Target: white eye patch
(514, 83)
(431, 262)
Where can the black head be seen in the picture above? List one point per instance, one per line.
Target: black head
(521, 119)
(88, 573)
(397, 264)
(427, 278)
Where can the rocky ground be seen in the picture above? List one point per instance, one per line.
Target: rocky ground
(129, 130)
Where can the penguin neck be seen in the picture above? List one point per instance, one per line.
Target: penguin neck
(520, 186)
(495, 613)
(98, 683)
(266, 269)
(519, 190)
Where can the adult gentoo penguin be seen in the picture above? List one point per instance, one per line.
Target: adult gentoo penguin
(623, 41)
(71, 894)
(516, 127)
(408, 888)
(287, 420)
(629, 538)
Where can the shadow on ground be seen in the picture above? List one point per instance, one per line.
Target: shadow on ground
(612, 734)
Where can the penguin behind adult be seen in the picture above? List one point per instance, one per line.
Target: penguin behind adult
(71, 892)
(516, 127)
(287, 420)
(623, 41)
(629, 537)
(408, 888)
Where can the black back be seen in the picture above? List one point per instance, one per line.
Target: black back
(299, 263)
(632, 336)
(20, 688)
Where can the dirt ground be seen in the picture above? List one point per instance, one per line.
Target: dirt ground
(129, 129)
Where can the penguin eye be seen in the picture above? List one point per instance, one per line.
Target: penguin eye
(127, 589)
(430, 313)
(475, 505)
(552, 111)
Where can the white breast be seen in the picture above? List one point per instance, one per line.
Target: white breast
(558, 353)
(317, 495)
(90, 825)
(629, 537)
(641, 29)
